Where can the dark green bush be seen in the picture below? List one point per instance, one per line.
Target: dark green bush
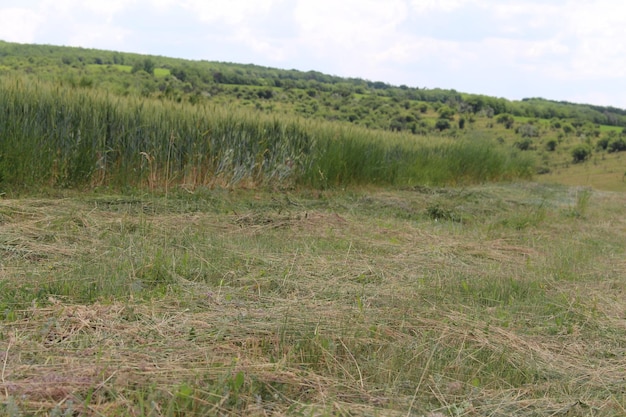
(506, 119)
(617, 145)
(581, 153)
(602, 143)
(524, 144)
(442, 124)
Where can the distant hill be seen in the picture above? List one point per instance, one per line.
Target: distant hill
(310, 94)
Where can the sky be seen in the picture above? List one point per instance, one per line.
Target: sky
(572, 50)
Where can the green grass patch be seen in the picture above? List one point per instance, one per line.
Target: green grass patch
(161, 72)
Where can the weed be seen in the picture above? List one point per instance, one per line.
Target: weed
(582, 203)
(436, 212)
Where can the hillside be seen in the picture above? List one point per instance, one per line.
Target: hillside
(557, 135)
(364, 102)
(186, 238)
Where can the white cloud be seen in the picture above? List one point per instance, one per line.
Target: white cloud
(596, 18)
(19, 25)
(426, 6)
(232, 12)
(103, 36)
(347, 36)
(109, 7)
(598, 28)
(428, 50)
(524, 19)
(329, 24)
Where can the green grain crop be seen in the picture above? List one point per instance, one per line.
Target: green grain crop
(71, 137)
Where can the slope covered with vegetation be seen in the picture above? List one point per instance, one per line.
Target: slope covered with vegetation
(370, 103)
(57, 132)
(552, 136)
(196, 238)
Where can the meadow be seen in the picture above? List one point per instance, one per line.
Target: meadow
(483, 300)
(172, 246)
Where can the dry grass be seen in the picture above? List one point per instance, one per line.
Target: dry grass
(604, 171)
(341, 303)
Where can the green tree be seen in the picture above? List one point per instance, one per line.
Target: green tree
(446, 112)
(146, 65)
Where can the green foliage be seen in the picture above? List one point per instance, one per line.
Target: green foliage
(527, 130)
(206, 90)
(69, 138)
(446, 112)
(506, 119)
(603, 143)
(581, 153)
(551, 145)
(146, 65)
(524, 144)
(442, 124)
(568, 128)
(617, 144)
(439, 213)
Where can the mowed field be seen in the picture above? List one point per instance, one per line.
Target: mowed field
(491, 300)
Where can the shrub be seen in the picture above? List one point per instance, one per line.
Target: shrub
(524, 144)
(568, 128)
(527, 131)
(551, 145)
(437, 213)
(581, 153)
(442, 124)
(506, 119)
(617, 145)
(602, 143)
(446, 112)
